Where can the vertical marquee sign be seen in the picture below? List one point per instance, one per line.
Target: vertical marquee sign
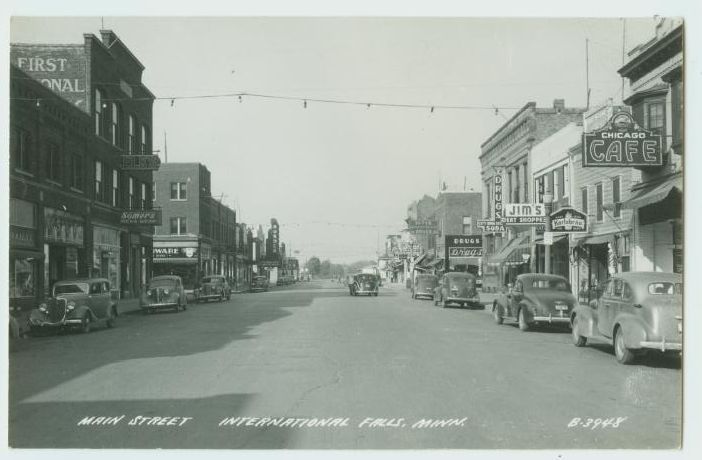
(495, 225)
(621, 142)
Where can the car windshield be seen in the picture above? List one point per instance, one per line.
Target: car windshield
(162, 283)
(366, 278)
(75, 288)
(552, 284)
(665, 288)
(427, 281)
(461, 280)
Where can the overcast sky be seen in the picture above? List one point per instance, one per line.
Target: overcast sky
(328, 164)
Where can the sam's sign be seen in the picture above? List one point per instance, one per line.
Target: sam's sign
(568, 220)
(621, 142)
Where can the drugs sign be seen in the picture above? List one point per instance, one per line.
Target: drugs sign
(568, 220)
(464, 246)
(621, 142)
(524, 214)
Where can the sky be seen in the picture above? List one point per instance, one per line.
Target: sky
(339, 177)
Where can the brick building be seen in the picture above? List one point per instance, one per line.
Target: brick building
(198, 234)
(76, 110)
(506, 153)
(456, 213)
(421, 223)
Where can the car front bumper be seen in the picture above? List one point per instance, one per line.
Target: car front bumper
(563, 317)
(150, 306)
(663, 345)
(471, 300)
(366, 291)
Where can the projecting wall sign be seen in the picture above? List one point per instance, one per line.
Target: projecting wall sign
(622, 143)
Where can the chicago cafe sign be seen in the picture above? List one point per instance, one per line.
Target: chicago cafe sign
(621, 142)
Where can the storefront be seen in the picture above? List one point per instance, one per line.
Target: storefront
(25, 255)
(178, 257)
(512, 260)
(64, 248)
(658, 225)
(560, 256)
(106, 255)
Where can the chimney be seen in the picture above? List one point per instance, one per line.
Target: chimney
(559, 105)
(108, 37)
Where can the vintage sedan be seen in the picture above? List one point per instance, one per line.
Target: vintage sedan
(259, 284)
(535, 299)
(76, 304)
(636, 312)
(214, 287)
(424, 286)
(459, 288)
(164, 292)
(364, 283)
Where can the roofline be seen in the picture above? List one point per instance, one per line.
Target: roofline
(646, 54)
(505, 124)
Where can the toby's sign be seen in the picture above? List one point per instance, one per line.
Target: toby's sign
(621, 142)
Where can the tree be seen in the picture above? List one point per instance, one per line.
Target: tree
(325, 269)
(313, 266)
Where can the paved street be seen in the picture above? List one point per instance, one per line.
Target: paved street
(310, 351)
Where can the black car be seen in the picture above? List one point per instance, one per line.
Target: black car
(364, 283)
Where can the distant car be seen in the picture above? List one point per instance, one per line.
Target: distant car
(636, 312)
(164, 292)
(424, 286)
(259, 284)
(457, 288)
(213, 287)
(76, 304)
(364, 283)
(535, 299)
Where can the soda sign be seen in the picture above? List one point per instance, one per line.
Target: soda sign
(491, 226)
(622, 142)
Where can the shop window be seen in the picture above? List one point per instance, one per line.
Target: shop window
(178, 191)
(53, 162)
(21, 148)
(131, 141)
(77, 171)
(599, 208)
(616, 196)
(23, 276)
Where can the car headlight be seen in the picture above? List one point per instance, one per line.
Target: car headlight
(70, 306)
(43, 308)
(165, 291)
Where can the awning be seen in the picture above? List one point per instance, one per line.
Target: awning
(175, 260)
(438, 263)
(653, 193)
(515, 247)
(596, 239)
(556, 239)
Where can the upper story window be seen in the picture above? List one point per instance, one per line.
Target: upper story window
(153, 192)
(617, 196)
(22, 149)
(116, 125)
(178, 191)
(599, 204)
(101, 126)
(53, 162)
(131, 140)
(143, 195)
(132, 196)
(526, 183)
(99, 182)
(467, 225)
(77, 171)
(144, 140)
(115, 188)
(179, 226)
(516, 190)
(584, 198)
(557, 187)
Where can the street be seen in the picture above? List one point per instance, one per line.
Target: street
(379, 372)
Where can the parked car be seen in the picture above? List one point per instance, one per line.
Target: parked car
(535, 299)
(76, 304)
(424, 286)
(636, 312)
(213, 287)
(259, 283)
(459, 288)
(165, 291)
(364, 283)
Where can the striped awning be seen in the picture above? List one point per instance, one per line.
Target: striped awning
(654, 193)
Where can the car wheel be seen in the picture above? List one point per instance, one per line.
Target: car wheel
(496, 314)
(111, 319)
(523, 324)
(578, 340)
(185, 302)
(85, 324)
(623, 354)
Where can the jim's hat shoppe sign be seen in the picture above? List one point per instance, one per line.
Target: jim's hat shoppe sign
(568, 220)
(621, 142)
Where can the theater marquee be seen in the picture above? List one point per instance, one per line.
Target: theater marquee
(622, 142)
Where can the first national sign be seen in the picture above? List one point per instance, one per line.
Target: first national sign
(141, 162)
